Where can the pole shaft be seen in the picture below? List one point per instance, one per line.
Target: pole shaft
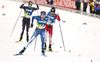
(15, 23)
(62, 36)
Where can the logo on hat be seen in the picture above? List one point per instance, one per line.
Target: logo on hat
(52, 9)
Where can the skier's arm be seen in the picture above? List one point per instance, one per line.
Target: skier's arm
(34, 17)
(37, 6)
(48, 13)
(22, 6)
(57, 17)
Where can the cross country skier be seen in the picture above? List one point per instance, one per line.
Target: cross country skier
(49, 26)
(40, 29)
(28, 10)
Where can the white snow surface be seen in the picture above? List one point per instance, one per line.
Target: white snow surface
(82, 42)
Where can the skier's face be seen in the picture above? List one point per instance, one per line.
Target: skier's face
(29, 6)
(52, 13)
(42, 17)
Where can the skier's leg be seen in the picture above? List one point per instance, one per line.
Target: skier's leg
(46, 30)
(35, 34)
(27, 29)
(42, 40)
(45, 40)
(23, 50)
(46, 36)
(50, 38)
(23, 28)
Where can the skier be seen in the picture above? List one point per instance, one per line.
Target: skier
(49, 26)
(40, 29)
(28, 10)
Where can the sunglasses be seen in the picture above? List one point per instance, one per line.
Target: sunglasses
(30, 5)
(52, 12)
(42, 16)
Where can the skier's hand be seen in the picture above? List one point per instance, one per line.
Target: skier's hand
(31, 25)
(57, 14)
(36, 2)
(24, 2)
(51, 20)
(57, 17)
(49, 26)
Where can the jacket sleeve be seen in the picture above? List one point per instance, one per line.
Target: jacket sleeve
(36, 8)
(34, 17)
(22, 6)
(57, 17)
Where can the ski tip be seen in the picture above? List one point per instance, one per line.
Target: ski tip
(44, 55)
(18, 41)
(16, 54)
(53, 51)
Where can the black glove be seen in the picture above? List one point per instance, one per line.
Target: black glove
(31, 25)
(24, 2)
(49, 26)
(36, 2)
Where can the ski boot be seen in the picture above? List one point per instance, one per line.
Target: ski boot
(20, 53)
(43, 52)
(50, 49)
(45, 47)
(27, 38)
(19, 39)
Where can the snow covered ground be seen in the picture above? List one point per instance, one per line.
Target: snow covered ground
(82, 41)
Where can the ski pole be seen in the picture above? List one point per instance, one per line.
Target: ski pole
(62, 36)
(36, 37)
(15, 23)
(35, 44)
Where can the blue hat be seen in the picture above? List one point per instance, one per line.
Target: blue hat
(43, 13)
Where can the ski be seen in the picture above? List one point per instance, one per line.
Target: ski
(43, 54)
(17, 54)
(51, 51)
(22, 54)
(18, 41)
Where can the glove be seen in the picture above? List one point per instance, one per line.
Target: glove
(24, 2)
(36, 2)
(57, 14)
(31, 25)
(57, 17)
(49, 26)
(51, 20)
